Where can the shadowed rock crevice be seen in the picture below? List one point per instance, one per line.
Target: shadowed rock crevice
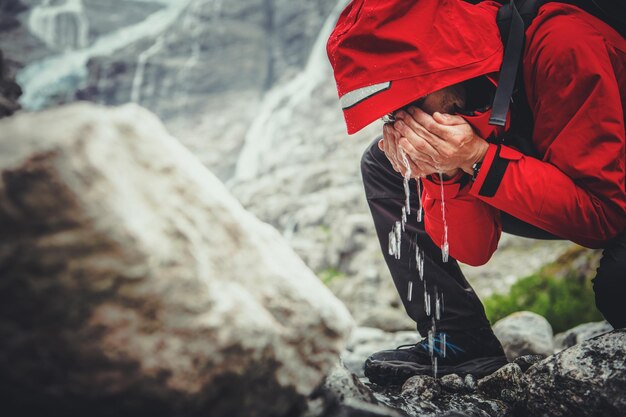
(9, 90)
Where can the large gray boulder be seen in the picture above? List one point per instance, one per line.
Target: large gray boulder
(586, 380)
(524, 333)
(134, 284)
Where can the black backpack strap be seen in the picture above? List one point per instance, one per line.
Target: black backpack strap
(510, 62)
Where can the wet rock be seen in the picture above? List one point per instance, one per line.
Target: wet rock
(344, 395)
(580, 333)
(355, 408)
(423, 387)
(524, 333)
(453, 382)
(585, 380)
(470, 382)
(453, 414)
(506, 384)
(425, 396)
(526, 361)
(134, 284)
(343, 385)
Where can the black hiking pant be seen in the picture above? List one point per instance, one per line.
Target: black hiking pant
(462, 308)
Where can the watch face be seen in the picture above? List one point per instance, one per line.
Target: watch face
(475, 169)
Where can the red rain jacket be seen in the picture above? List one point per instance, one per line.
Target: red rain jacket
(575, 77)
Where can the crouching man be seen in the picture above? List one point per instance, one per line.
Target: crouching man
(431, 67)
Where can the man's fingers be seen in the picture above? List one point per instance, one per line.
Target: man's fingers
(407, 122)
(426, 169)
(448, 119)
(414, 149)
(390, 147)
(418, 139)
(443, 132)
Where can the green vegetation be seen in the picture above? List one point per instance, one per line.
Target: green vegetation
(565, 302)
(330, 274)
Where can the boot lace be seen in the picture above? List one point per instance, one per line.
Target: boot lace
(440, 343)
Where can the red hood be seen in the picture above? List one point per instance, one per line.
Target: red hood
(388, 53)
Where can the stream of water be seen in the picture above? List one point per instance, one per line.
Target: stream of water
(432, 300)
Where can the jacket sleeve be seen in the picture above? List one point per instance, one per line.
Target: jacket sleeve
(577, 190)
(473, 226)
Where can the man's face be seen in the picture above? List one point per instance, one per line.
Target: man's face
(446, 100)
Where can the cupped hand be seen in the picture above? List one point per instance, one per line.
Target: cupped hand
(390, 146)
(446, 142)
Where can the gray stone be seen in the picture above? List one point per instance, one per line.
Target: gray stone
(423, 387)
(356, 408)
(506, 384)
(343, 385)
(425, 396)
(580, 333)
(585, 380)
(526, 361)
(453, 382)
(134, 284)
(344, 395)
(524, 333)
(470, 382)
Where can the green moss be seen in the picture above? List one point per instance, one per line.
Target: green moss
(324, 228)
(565, 303)
(331, 274)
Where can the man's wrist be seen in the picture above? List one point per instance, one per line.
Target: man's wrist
(481, 151)
(450, 174)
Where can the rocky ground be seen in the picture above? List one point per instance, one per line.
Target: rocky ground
(580, 372)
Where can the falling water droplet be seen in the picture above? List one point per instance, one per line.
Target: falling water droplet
(445, 250)
(409, 295)
(419, 261)
(437, 305)
(443, 345)
(420, 209)
(398, 239)
(395, 240)
(403, 218)
(432, 338)
(407, 177)
(431, 343)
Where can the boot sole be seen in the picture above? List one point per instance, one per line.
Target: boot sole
(397, 372)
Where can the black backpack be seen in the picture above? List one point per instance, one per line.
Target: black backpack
(513, 18)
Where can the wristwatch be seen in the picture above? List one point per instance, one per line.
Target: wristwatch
(475, 169)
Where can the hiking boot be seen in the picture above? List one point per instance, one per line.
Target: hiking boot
(477, 352)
